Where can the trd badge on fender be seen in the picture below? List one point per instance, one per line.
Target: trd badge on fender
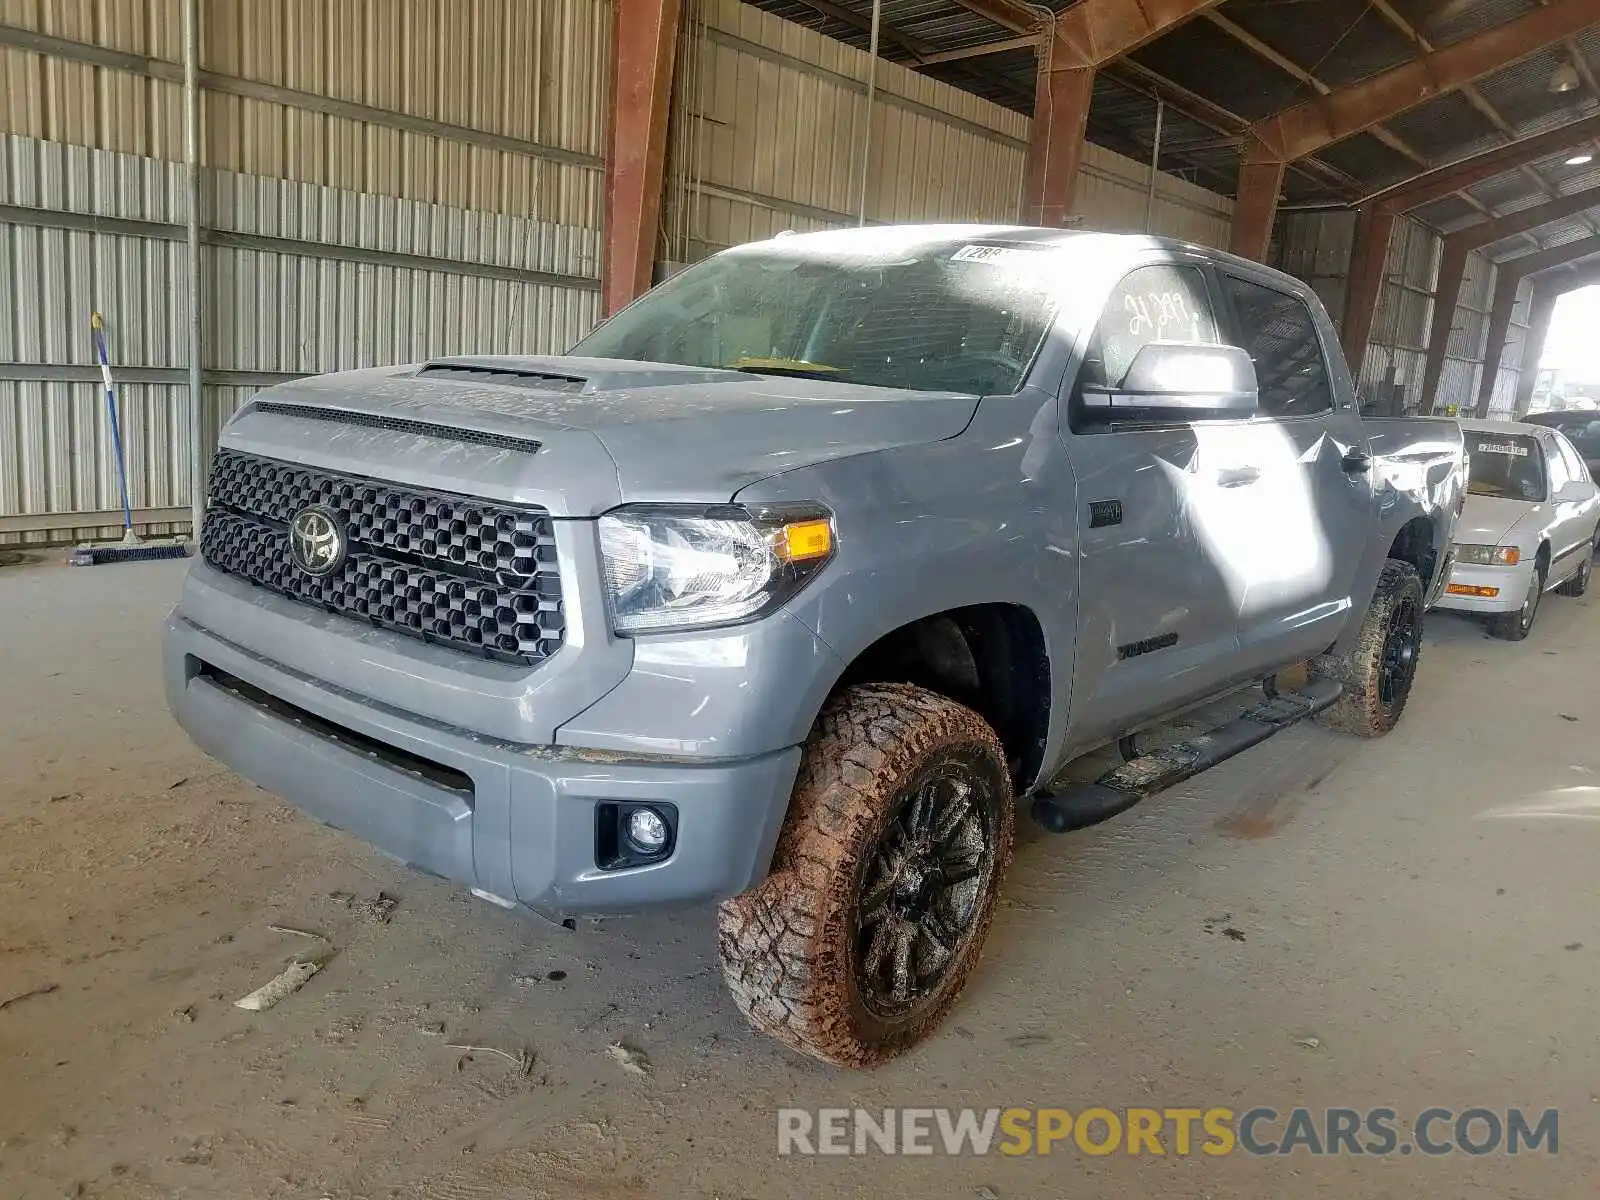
(316, 542)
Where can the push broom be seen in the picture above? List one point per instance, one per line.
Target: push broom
(132, 548)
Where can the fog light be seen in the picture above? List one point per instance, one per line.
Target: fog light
(646, 831)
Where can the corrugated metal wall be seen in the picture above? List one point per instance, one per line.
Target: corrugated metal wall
(384, 183)
(390, 180)
(768, 126)
(1316, 246)
(291, 78)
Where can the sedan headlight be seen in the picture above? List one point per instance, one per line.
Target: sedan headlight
(678, 567)
(1489, 556)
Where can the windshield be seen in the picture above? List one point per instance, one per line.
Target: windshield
(1508, 466)
(963, 318)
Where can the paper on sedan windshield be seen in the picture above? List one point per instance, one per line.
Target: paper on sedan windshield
(997, 255)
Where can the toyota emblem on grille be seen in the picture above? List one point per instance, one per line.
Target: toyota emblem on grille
(316, 542)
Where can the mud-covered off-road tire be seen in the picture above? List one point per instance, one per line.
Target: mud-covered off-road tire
(790, 946)
(1376, 686)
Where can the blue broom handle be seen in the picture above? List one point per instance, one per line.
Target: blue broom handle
(116, 423)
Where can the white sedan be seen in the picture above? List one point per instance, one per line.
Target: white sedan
(1529, 525)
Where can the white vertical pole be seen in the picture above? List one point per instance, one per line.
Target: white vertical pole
(1155, 161)
(872, 92)
(200, 450)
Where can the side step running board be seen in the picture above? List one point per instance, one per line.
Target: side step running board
(1118, 790)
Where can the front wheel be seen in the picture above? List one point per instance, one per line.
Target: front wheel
(884, 881)
(1514, 626)
(1377, 672)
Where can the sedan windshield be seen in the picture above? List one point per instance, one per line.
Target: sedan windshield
(955, 318)
(1506, 466)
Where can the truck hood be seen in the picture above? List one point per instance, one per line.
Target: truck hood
(674, 433)
(1491, 520)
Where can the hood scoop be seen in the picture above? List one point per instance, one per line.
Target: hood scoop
(458, 372)
(373, 420)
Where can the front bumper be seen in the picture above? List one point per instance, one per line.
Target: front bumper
(1512, 583)
(515, 821)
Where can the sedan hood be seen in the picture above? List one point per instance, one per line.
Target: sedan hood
(1489, 520)
(674, 433)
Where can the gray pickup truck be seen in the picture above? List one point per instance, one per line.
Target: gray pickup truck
(795, 576)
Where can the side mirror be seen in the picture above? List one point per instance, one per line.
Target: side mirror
(1174, 383)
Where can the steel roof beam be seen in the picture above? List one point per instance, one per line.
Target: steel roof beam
(1481, 102)
(1320, 121)
(915, 47)
(1008, 14)
(1289, 67)
(1021, 18)
(1226, 123)
(1466, 172)
(1026, 42)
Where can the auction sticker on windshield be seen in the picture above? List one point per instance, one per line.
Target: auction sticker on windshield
(997, 255)
(1502, 448)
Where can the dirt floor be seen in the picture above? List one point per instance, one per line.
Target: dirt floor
(1321, 922)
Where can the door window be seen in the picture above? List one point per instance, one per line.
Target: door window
(1278, 332)
(1167, 303)
(1555, 464)
(1574, 461)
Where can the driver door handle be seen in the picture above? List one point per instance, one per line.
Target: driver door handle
(1356, 460)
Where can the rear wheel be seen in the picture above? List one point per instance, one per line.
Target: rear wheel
(1578, 584)
(1378, 670)
(884, 881)
(1514, 626)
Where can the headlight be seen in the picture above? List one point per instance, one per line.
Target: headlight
(670, 567)
(1489, 556)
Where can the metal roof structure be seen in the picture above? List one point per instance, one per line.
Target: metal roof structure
(1236, 62)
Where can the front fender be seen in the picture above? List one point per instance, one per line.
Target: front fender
(988, 517)
(1420, 479)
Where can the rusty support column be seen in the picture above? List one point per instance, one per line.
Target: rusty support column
(1055, 147)
(644, 44)
(1260, 181)
(1539, 314)
(1075, 42)
(1505, 300)
(1446, 295)
(1368, 255)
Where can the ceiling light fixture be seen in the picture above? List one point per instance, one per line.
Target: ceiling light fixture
(1564, 78)
(1578, 160)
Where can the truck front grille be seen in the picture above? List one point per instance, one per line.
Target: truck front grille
(475, 575)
